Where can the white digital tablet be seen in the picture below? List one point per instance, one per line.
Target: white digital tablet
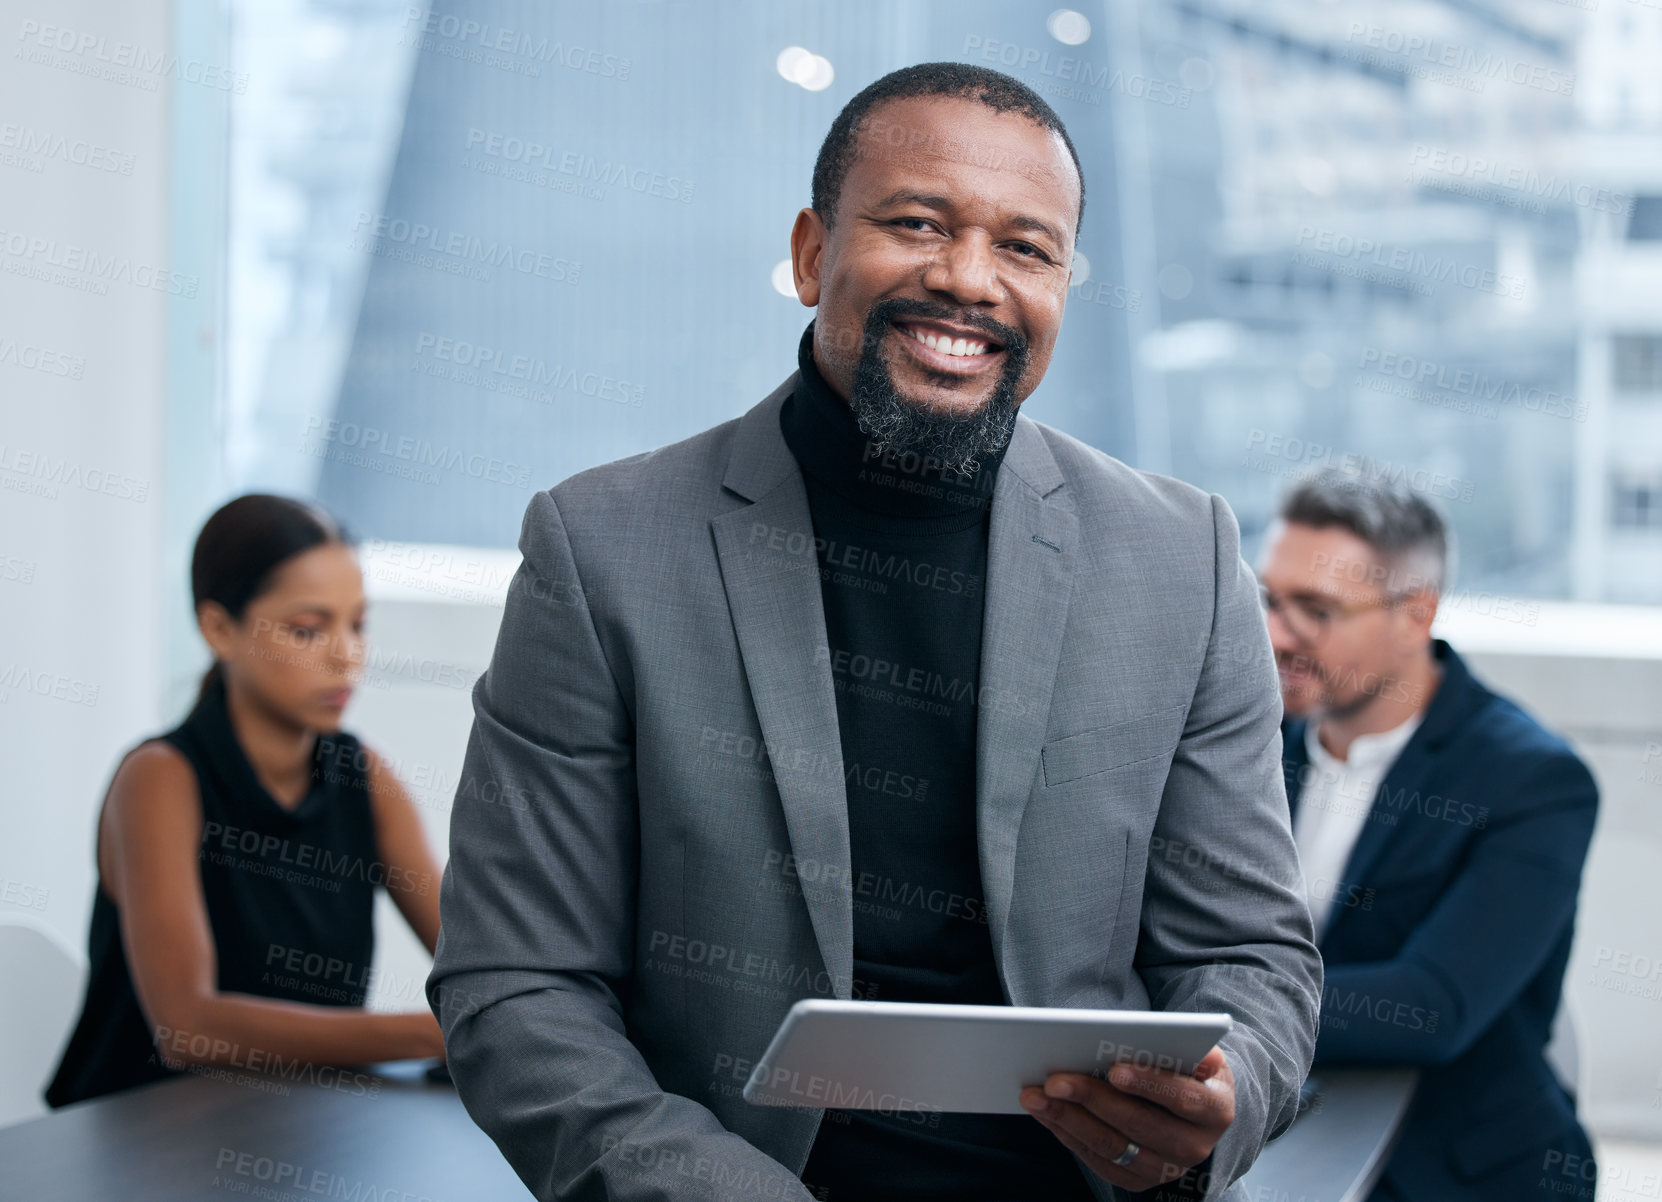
(910, 1056)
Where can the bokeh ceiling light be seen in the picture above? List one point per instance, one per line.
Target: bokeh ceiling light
(789, 59)
(1069, 27)
(805, 68)
(784, 279)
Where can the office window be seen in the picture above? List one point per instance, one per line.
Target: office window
(1636, 504)
(520, 239)
(1638, 362)
(312, 142)
(1645, 224)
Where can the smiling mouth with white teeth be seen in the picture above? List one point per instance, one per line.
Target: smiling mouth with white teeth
(944, 344)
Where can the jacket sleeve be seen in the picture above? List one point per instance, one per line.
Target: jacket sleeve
(1234, 934)
(1483, 940)
(538, 906)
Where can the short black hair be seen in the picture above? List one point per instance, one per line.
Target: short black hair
(998, 91)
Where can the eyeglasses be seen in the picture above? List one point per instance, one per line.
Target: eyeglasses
(1310, 621)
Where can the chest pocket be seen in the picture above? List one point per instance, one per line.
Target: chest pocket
(1148, 737)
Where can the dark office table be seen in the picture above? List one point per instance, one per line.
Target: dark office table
(1334, 1151)
(200, 1137)
(390, 1137)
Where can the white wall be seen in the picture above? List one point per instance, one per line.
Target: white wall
(415, 705)
(80, 582)
(1595, 675)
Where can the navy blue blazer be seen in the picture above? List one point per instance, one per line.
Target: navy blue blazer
(1447, 942)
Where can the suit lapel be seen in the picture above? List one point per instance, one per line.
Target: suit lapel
(1375, 838)
(1458, 696)
(1295, 757)
(1407, 772)
(770, 571)
(1030, 568)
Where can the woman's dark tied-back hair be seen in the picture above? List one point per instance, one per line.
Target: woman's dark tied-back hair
(244, 543)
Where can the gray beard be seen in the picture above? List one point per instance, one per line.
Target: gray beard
(896, 425)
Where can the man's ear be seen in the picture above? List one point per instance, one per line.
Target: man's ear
(1420, 606)
(808, 240)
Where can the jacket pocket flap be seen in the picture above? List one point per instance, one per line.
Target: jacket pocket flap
(1108, 747)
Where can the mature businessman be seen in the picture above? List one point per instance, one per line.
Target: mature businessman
(878, 691)
(1442, 832)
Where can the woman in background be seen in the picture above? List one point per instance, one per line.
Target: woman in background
(239, 853)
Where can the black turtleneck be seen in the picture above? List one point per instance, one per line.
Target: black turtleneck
(903, 561)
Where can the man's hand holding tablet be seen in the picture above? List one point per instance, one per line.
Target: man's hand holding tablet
(1148, 1096)
(1142, 1127)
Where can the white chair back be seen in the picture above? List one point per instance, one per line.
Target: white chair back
(38, 1007)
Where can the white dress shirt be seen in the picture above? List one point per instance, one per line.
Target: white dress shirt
(1333, 806)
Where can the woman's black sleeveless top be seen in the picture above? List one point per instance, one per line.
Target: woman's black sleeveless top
(290, 897)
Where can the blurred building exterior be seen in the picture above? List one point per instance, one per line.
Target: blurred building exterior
(490, 246)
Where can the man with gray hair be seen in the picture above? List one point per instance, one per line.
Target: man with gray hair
(1441, 832)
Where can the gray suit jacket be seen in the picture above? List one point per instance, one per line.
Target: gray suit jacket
(649, 848)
